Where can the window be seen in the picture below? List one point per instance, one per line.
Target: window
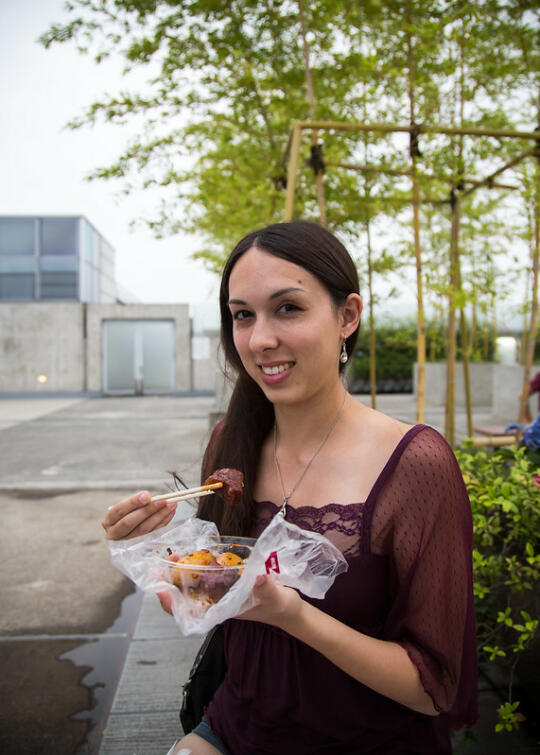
(17, 286)
(59, 236)
(58, 285)
(16, 236)
(67, 264)
(21, 264)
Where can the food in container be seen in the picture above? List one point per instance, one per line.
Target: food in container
(205, 575)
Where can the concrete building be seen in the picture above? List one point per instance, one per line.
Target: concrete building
(65, 329)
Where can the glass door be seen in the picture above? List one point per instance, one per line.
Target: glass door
(138, 356)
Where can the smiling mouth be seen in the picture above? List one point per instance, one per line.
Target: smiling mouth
(276, 369)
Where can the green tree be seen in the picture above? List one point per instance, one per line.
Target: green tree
(225, 80)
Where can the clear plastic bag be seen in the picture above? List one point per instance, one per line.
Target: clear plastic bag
(298, 558)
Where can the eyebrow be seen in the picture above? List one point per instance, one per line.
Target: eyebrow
(275, 295)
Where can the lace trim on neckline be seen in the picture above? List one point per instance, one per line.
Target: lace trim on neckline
(336, 507)
(341, 523)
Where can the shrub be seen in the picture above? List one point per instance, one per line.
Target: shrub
(504, 489)
(395, 354)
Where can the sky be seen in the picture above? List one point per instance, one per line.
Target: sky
(43, 165)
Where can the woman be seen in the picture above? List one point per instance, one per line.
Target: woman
(386, 663)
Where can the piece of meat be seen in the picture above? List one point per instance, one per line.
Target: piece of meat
(233, 482)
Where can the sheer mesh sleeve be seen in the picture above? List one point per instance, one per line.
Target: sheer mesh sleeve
(422, 521)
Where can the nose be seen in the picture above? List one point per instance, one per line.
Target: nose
(263, 336)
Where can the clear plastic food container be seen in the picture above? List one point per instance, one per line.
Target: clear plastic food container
(206, 574)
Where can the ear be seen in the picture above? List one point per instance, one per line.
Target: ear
(350, 314)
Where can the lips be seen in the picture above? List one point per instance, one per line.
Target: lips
(276, 369)
(275, 373)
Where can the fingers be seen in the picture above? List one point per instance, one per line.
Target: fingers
(262, 589)
(136, 515)
(125, 507)
(165, 600)
(276, 604)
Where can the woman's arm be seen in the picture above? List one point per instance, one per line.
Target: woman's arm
(383, 666)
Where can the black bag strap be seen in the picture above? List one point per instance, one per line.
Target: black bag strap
(202, 650)
(206, 674)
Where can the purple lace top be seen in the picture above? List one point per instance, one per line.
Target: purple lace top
(409, 580)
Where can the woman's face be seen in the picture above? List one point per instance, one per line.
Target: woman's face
(286, 329)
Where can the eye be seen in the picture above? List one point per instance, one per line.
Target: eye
(241, 314)
(288, 307)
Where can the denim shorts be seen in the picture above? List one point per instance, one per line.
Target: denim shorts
(204, 731)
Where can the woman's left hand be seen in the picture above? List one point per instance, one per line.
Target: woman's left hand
(277, 605)
(165, 599)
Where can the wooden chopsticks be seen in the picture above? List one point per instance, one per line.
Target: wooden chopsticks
(185, 495)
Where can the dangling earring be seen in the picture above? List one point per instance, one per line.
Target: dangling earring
(343, 357)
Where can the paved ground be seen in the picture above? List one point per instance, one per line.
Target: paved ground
(72, 631)
(63, 634)
(102, 442)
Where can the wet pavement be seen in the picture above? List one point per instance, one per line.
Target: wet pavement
(58, 690)
(88, 666)
(68, 617)
(62, 643)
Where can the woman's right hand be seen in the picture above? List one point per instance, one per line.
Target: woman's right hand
(136, 515)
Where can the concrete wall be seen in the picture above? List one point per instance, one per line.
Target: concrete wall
(507, 384)
(204, 372)
(39, 338)
(480, 381)
(493, 386)
(63, 341)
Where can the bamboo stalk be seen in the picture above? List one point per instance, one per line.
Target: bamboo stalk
(421, 328)
(293, 141)
(531, 341)
(449, 427)
(414, 152)
(490, 184)
(488, 179)
(495, 440)
(371, 169)
(293, 167)
(423, 176)
(462, 318)
(388, 128)
(466, 371)
(372, 344)
(319, 185)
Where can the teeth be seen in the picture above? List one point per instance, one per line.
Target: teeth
(276, 370)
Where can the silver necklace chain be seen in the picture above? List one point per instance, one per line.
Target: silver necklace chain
(286, 496)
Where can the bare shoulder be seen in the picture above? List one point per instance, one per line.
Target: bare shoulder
(378, 428)
(368, 440)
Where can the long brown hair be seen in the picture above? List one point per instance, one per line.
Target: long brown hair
(238, 440)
